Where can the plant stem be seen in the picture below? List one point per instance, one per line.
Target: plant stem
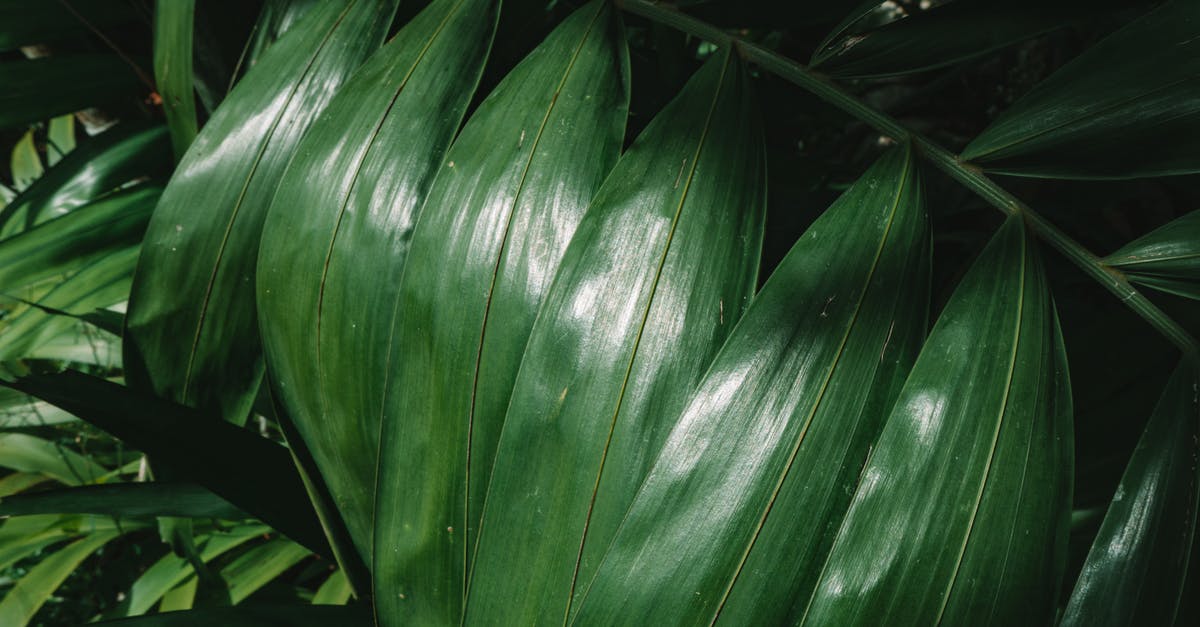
(969, 176)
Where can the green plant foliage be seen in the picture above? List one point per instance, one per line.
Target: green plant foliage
(1113, 112)
(1166, 259)
(39, 89)
(173, 69)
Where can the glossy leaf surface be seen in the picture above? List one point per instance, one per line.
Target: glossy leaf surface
(804, 381)
(492, 232)
(37, 89)
(960, 515)
(1135, 572)
(945, 35)
(99, 166)
(173, 69)
(658, 272)
(1115, 111)
(181, 439)
(125, 500)
(339, 232)
(192, 334)
(1167, 258)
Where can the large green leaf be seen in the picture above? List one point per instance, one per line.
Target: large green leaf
(339, 231)
(960, 515)
(173, 69)
(97, 167)
(191, 331)
(1116, 111)
(945, 35)
(33, 589)
(276, 18)
(1167, 258)
(256, 616)
(27, 453)
(491, 235)
(38, 89)
(76, 239)
(255, 474)
(1135, 572)
(24, 22)
(660, 270)
(742, 504)
(124, 500)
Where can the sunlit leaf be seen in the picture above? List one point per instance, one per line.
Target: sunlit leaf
(173, 69)
(35, 587)
(191, 331)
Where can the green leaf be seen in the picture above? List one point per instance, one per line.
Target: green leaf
(495, 225)
(26, 164)
(191, 332)
(99, 166)
(66, 243)
(256, 616)
(181, 597)
(60, 138)
(27, 453)
(1135, 572)
(982, 433)
(33, 330)
(37, 89)
(1116, 111)
(15, 482)
(19, 410)
(338, 233)
(258, 566)
(946, 34)
(33, 589)
(172, 570)
(25, 22)
(173, 69)
(334, 591)
(255, 474)
(742, 504)
(277, 17)
(128, 500)
(1167, 258)
(658, 273)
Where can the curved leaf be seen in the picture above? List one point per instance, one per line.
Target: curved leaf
(960, 516)
(661, 268)
(1116, 111)
(27, 453)
(173, 69)
(492, 232)
(258, 566)
(742, 505)
(26, 164)
(334, 591)
(947, 34)
(33, 589)
(338, 234)
(1135, 572)
(95, 168)
(37, 89)
(191, 334)
(172, 570)
(124, 500)
(1167, 258)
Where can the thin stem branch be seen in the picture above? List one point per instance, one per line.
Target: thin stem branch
(969, 176)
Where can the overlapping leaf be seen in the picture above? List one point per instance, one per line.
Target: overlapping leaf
(1135, 572)
(804, 381)
(339, 231)
(960, 515)
(1167, 258)
(25, 22)
(1116, 111)
(495, 225)
(125, 500)
(659, 271)
(35, 587)
(101, 165)
(945, 35)
(191, 329)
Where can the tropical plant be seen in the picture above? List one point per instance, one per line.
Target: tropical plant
(476, 327)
